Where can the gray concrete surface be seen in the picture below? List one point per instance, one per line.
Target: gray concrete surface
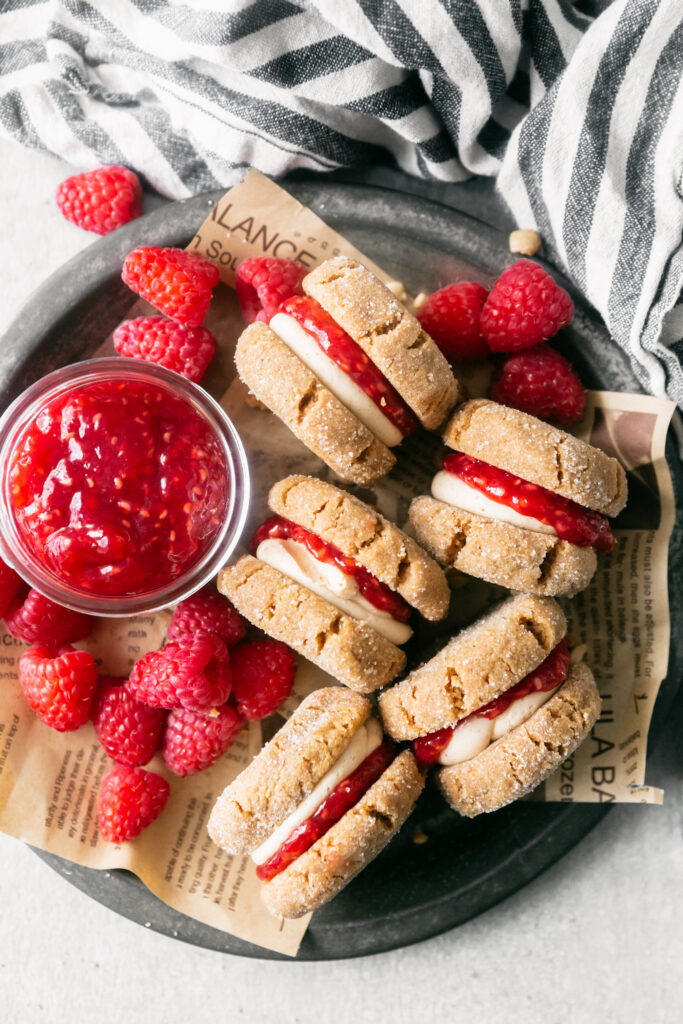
(597, 938)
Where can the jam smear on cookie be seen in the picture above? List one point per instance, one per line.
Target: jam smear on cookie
(548, 676)
(350, 357)
(342, 798)
(570, 521)
(118, 487)
(376, 593)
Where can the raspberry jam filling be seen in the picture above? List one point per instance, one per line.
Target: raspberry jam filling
(118, 487)
(344, 796)
(549, 674)
(350, 357)
(376, 593)
(569, 520)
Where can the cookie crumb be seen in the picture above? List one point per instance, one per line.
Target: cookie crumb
(398, 290)
(525, 241)
(420, 836)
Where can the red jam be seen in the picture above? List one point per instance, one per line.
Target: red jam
(549, 674)
(118, 487)
(378, 594)
(569, 520)
(350, 357)
(328, 813)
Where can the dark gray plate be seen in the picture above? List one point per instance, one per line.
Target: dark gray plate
(411, 892)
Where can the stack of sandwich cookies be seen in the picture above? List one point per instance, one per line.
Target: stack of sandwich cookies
(348, 369)
(520, 503)
(499, 708)
(318, 803)
(335, 580)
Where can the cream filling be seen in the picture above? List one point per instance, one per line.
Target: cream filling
(362, 744)
(472, 737)
(339, 383)
(450, 488)
(329, 582)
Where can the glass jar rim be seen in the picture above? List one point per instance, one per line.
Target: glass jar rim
(21, 412)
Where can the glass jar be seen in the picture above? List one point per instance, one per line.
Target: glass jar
(184, 441)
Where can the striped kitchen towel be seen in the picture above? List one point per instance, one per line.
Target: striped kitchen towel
(575, 108)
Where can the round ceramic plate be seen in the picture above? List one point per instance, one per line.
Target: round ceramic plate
(413, 890)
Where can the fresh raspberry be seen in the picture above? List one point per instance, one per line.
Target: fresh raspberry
(211, 688)
(263, 675)
(59, 687)
(193, 742)
(178, 283)
(263, 282)
(37, 620)
(525, 306)
(129, 800)
(187, 350)
(451, 317)
(101, 200)
(540, 381)
(194, 673)
(127, 729)
(151, 680)
(207, 612)
(11, 586)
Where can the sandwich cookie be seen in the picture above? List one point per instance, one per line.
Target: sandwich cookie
(318, 803)
(335, 580)
(348, 369)
(499, 708)
(520, 503)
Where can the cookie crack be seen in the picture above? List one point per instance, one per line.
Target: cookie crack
(309, 396)
(539, 634)
(547, 566)
(454, 689)
(419, 342)
(383, 330)
(381, 818)
(454, 546)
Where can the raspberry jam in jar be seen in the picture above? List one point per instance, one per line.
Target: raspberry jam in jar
(124, 488)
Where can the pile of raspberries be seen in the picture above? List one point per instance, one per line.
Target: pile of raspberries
(189, 700)
(513, 321)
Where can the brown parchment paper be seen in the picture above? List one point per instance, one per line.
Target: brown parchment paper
(49, 780)
(623, 617)
(258, 218)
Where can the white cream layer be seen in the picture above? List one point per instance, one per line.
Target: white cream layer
(451, 489)
(329, 582)
(472, 737)
(339, 383)
(362, 744)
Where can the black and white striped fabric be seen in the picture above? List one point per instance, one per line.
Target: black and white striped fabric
(575, 108)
